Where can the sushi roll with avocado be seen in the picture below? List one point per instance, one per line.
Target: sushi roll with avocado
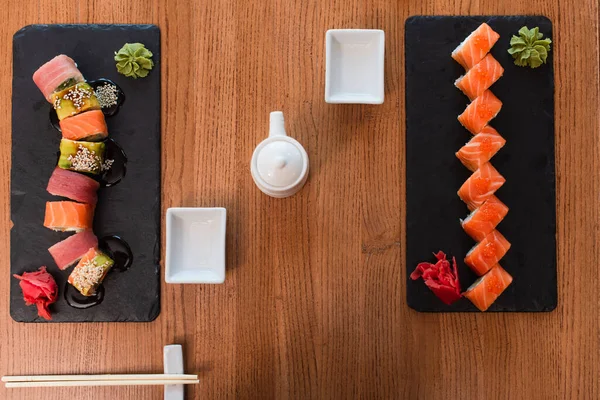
(74, 100)
(79, 156)
(57, 74)
(89, 273)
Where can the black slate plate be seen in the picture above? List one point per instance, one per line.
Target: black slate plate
(131, 209)
(434, 174)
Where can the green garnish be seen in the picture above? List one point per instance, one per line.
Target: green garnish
(529, 49)
(134, 60)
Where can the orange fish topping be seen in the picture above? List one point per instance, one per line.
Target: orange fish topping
(481, 184)
(493, 285)
(489, 250)
(486, 145)
(485, 112)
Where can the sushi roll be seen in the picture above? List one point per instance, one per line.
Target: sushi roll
(68, 216)
(56, 75)
(74, 100)
(481, 148)
(485, 290)
(82, 156)
(484, 220)
(479, 78)
(485, 254)
(90, 271)
(89, 126)
(480, 112)
(67, 252)
(74, 186)
(475, 46)
(480, 186)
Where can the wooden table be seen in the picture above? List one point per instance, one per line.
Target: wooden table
(314, 301)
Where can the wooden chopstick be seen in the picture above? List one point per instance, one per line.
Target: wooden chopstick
(131, 382)
(102, 377)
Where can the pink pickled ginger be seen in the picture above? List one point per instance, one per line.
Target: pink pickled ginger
(39, 288)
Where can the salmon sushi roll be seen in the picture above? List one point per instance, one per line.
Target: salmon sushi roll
(480, 186)
(480, 112)
(485, 254)
(57, 74)
(479, 78)
(481, 148)
(68, 216)
(484, 219)
(475, 46)
(89, 126)
(485, 290)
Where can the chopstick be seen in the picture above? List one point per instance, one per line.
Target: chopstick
(102, 377)
(142, 382)
(98, 380)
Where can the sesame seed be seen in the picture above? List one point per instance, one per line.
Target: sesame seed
(78, 95)
(108, 95)
(85, 160)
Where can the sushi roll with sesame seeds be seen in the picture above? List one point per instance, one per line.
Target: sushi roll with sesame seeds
(80, 156)
(90, 271)
(74, 100)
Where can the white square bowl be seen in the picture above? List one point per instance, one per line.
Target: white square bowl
(195, 245)
(354, 66)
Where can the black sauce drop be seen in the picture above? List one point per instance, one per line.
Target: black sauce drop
(119, 167)
(54, 120)
(112, 110)
(118, 250)
(108, 111)
(77, 300)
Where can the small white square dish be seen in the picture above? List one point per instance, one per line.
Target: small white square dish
(195, 245)
(354, 66)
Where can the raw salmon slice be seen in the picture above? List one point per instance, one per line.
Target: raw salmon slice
(481, 148)
(485, 254)
(89, 126)
(484, 220)
(475, 46)
(74, 186)
(485, 290)
(56, 73)
(70, 250)
(481, 111)
(68, 216)
(480, 186)
(479, 78)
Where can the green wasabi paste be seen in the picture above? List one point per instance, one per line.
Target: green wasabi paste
(529, 49)
(134, 60)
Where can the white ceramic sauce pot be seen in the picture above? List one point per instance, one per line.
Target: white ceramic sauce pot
(279, 164)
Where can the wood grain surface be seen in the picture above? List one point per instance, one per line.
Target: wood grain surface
(314, 301)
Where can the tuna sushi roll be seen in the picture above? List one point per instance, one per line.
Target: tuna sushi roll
(480, 186)
(90, 271)
(68, 216)
(484, 220)
(69, 251)
(74, 100)
(480, 112)
(479, 78)
(74, 186)
(481, 148)
(57, 74)
(485, 254)
(485, 290)
(81, 156)
(89, 126)
(475, 46)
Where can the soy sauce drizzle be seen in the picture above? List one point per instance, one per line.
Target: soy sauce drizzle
(118, 169)
(79, 301)
(117, 249)
(108, 111)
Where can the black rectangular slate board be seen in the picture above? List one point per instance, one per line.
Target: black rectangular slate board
(434, 174)
(131, 209)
